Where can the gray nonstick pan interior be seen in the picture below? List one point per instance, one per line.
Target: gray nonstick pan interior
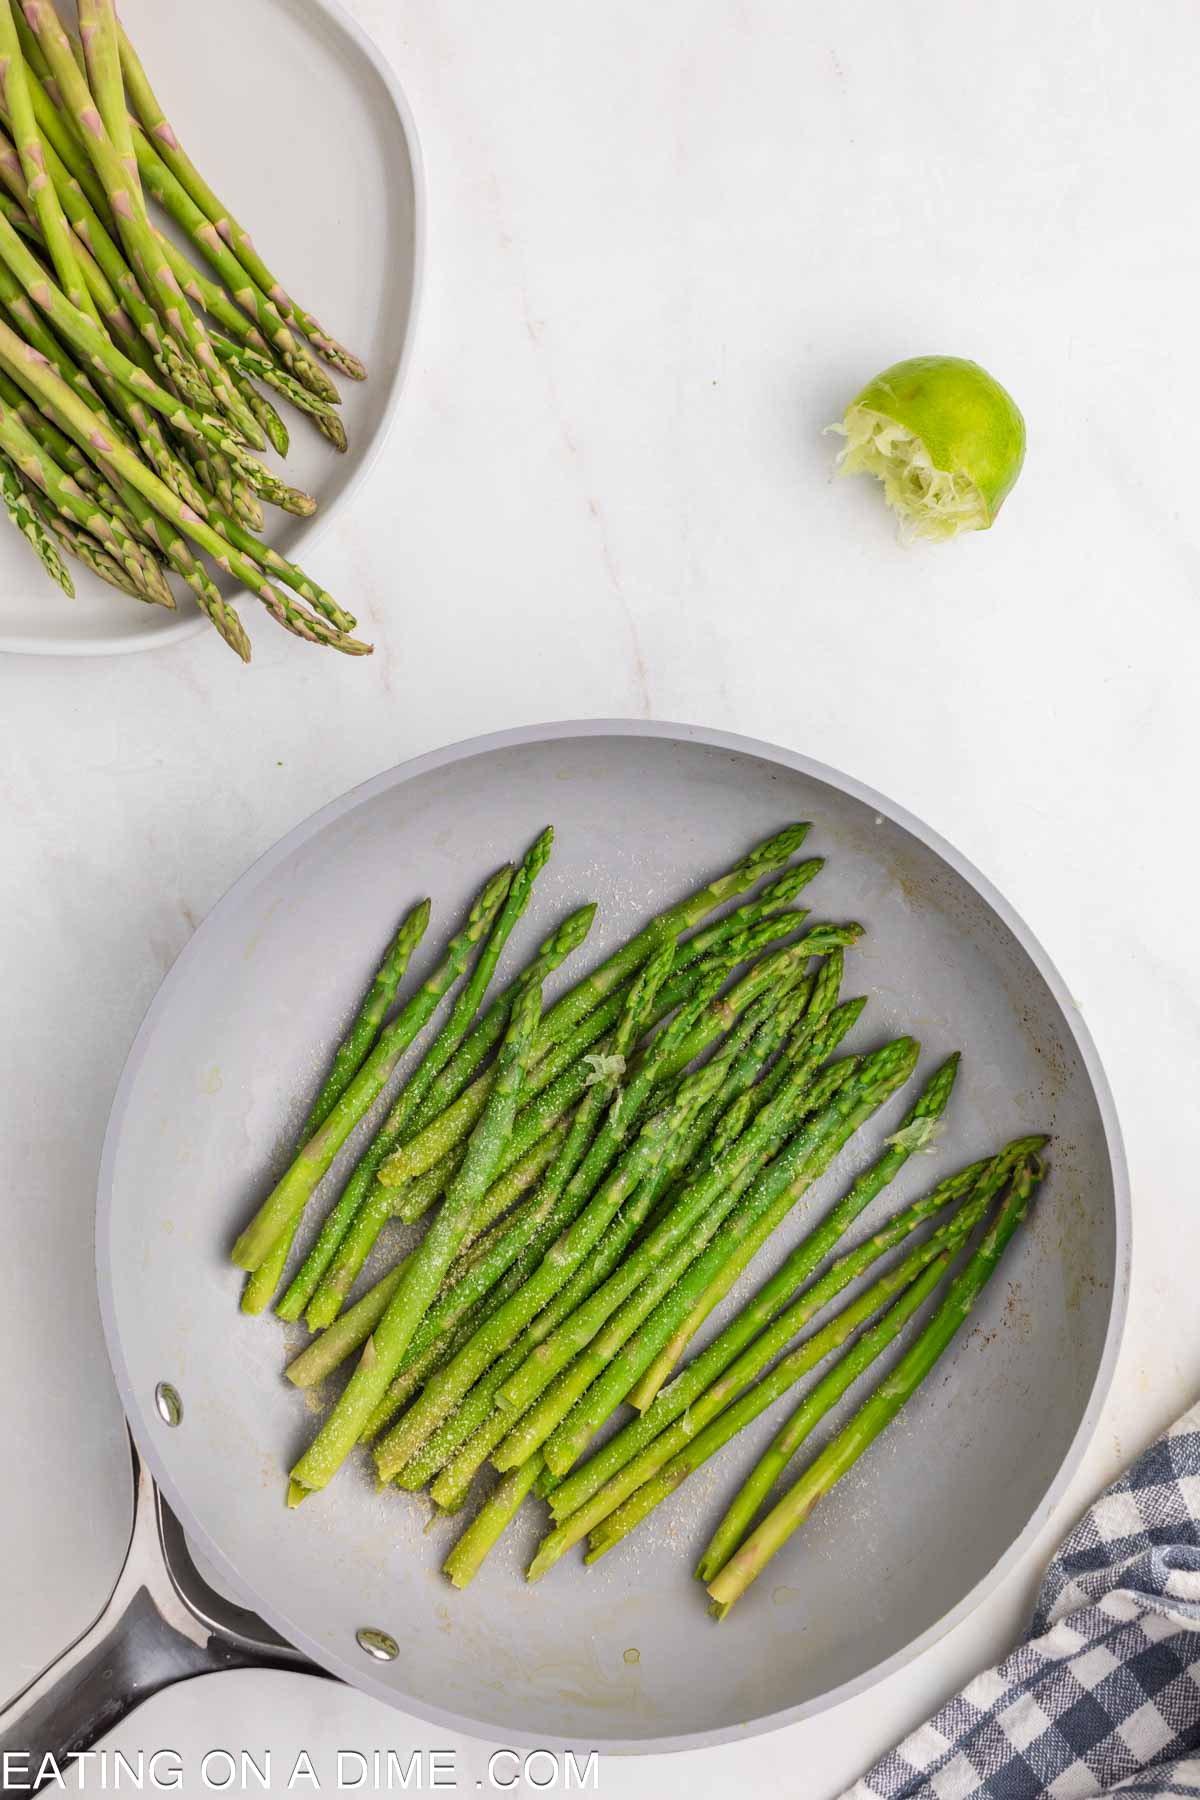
(622, 1656)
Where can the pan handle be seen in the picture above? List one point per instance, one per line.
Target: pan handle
(163, 1623)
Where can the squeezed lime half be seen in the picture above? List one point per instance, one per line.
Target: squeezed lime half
(944, 438)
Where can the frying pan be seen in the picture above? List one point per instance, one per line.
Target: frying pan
(620, 1657)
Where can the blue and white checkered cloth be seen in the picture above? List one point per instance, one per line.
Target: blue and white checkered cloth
(1104, 1694)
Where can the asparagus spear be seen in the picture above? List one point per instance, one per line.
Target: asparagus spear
(643, 1444)
(89, 553)
(477, 1426)
(348, 1058)
(577, 1172)
(126, 503)
(764, 1208)
(83, 202)
(18, 106)
(584, 1344)
(467, 1437)
(588, 1152)
(124, 192)
(488, 1427)
(585, 1498)
(376, 1207)
(148, 110)
(880, 1409)
(764, 859)
(351, 1329)
(824, 1395)
(24, 515)
(86, 205)
(466, 1558)
(67, 497)
(557, 947)
(88, 338)
(917, 1129)
(716, 1421)
(654, 1141)
(562, 1065)
(566, 1069)
(287, 1200)
(465, 1440)
(521, 1243)
(423, 1274)
(107, 450)
(252, 364)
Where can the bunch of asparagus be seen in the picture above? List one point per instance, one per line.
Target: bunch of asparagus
(603, 1171)
(131, 379)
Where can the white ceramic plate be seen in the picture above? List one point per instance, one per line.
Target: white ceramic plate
(306, 134)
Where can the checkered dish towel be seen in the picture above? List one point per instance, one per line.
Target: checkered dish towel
(1104, 1694)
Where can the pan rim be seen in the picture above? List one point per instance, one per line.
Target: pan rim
(139, 1418)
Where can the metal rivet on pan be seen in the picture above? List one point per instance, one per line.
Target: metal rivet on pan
(170, 1406)
(379, 1644)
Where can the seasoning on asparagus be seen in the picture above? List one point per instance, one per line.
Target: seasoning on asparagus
(288, 1199)
(876, 1413)
(424, 1271)
(348, 1058)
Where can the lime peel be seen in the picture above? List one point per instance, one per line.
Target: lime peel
(944, 438)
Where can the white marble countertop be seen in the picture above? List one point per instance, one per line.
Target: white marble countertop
(666, 245)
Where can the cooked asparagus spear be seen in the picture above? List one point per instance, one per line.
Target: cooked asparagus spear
(917, 1130)
(762, 1211)
(287, 1200)
(566, 938)
(376, 1207)
(880, 1409)
(348, 1058)
(424, 1272)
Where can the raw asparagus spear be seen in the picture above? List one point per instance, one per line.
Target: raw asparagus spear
(423, 1274)
(559, 945)
(66, 496)
(917, 1131)
(125, 198)
(24, 515)
(148, 110)
(763, 1209)
(348, 1058)
(18, 106)
(376, 1207)
(880, 1409)
(108, 452)
(254, 366)
(287, 1200)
